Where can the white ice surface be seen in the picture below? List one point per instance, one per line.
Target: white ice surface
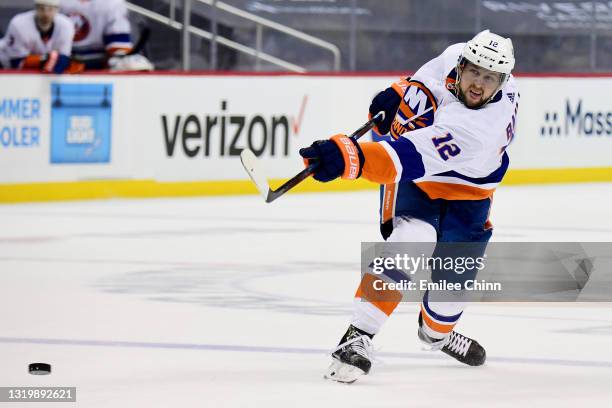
(231, 302)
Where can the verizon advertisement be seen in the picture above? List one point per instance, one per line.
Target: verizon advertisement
(203, 128)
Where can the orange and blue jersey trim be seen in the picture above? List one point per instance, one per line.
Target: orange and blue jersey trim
(495, 177)
(378, 165)
(452, 191)
(389, 163)
(392, 162)
(479, 188)
(401, 86)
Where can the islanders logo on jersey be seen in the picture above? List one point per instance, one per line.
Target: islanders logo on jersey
(82, 27)
(416, 110)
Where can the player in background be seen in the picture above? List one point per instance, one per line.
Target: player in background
(103, 35)
(39, 39)
(4, 61)
(450, 125)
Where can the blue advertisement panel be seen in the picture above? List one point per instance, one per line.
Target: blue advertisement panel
(81, 123)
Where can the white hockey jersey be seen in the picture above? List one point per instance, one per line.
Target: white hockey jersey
(102, 27)
(23, 38)
(4, 61)
(449, 151)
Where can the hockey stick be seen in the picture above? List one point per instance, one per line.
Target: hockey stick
(253, 168)
(145, 33)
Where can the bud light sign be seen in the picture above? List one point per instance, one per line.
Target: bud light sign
(81, 123)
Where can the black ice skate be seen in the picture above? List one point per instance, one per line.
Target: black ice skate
(456, 345)
(352, 358)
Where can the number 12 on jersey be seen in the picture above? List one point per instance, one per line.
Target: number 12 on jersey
(445, 147)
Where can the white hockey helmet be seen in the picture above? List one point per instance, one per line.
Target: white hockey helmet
(54, 3)
(489, 51)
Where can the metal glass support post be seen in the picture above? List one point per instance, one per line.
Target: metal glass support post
(258, 45)
(186, 37)
(478, 17)
(593, 53)
(172, 14)
(213, 42)
(353, 37)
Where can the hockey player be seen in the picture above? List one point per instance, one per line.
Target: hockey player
(39, 39)
(4, 62)
(103, 35)
(450, 126)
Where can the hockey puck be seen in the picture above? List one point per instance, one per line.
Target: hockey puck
(39, 368)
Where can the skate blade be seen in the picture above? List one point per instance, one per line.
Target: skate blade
(343, 373)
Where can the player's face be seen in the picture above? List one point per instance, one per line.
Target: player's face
(45, 16)
(477, 84)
